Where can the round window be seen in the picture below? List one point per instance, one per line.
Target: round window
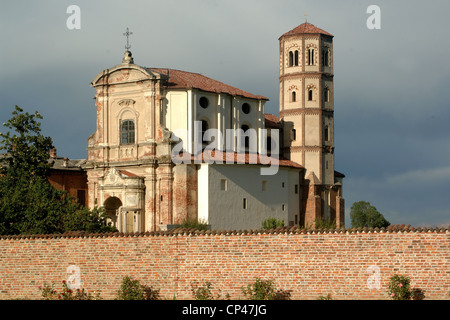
(204, 102)
(246, 108)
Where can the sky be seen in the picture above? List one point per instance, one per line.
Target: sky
(392, 115)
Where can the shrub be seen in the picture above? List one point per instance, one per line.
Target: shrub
(260, 290)
(272, 223)
(202, 292)
(194, 224)
(325, 224)
(50, 293)
(132, 289)
(399, 289)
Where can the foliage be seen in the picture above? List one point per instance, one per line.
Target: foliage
(202, 292)
(327, 297)
(325, 224)
(399, 289)
(272, 223)
(193, 223)
(363, 214)
(28, 202)
(50, 293)
(132, 289)
(260, 290)
(27, 150)
(88, 220)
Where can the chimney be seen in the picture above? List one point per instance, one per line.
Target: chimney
(53, 153)
(66, 162)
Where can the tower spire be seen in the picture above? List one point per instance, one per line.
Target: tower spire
(306, 15)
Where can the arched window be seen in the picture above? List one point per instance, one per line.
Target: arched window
(326, 95)
(310, 95)
(205, 127)
(327, 134)
(127, 132)
(291, 59)
(296, 58)
(244, 128)
(326, 57)
(294, 96)
(310, 60)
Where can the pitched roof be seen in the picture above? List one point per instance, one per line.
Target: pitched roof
(129, 174)
(189, 80)
(272, 121)
(213, 156)
(306, 28)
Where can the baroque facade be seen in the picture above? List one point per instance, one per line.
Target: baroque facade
(162, 152)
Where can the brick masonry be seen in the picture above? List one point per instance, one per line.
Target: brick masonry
(307, 264)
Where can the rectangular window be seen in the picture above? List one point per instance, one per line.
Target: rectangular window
(245, 203)
(127, 132)
(223, 184)
(282, 184)
(327, 134)
(296, 219)
(283, 207)
(296, 189)
(264, 185)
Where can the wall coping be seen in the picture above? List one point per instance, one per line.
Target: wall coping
(195, 232)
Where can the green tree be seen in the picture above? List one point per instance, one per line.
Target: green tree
(28, 202)
(363, 214)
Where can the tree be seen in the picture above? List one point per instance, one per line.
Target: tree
(28, 202)
(363, 214)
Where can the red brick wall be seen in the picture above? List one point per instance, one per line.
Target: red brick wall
(70, 181)
(306, 264)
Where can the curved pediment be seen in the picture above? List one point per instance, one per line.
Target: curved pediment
(124, 73)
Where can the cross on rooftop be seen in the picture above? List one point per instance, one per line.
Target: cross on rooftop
(306, 15)
(128, 34)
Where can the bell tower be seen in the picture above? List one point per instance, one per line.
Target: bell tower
(307, 110)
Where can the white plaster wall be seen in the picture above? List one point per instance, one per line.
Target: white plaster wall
(203, 192)
(177, 114)
(226, 209)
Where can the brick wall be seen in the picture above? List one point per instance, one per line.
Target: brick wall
(306, 264)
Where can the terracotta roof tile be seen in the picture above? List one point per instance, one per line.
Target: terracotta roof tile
(127, 173)
(272, 121)
(190, 80)
(239, 158)
(306, 28)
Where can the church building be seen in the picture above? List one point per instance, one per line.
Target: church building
(173, 145)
